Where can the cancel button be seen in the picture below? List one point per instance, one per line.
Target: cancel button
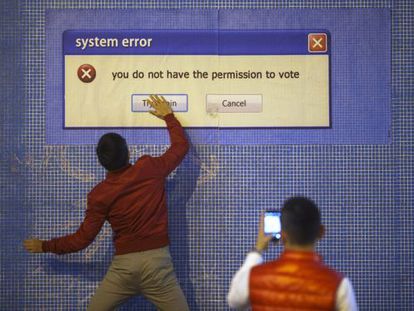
(229, 103)
(234, 103)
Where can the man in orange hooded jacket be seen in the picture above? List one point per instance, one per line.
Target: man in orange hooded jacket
(298, 279)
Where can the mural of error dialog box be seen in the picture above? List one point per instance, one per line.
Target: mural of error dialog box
(255, 78)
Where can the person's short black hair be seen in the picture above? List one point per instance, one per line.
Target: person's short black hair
(112, 151)
(301, 220)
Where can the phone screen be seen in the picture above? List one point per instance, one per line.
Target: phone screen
(272, 224)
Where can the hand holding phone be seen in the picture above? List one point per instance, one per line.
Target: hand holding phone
(272, 224)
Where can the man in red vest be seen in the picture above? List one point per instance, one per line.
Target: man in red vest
(132, 199)
(298, 279)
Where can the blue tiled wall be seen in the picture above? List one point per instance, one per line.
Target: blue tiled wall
(365, 191)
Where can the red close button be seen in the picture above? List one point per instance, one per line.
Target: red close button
(317, 43)
(86, 73)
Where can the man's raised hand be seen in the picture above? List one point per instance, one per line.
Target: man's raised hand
(263, 240)
(160, 105)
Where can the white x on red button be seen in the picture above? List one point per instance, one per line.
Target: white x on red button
(317, 43)
(86, 73)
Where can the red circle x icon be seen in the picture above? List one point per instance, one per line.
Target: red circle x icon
(86, 73)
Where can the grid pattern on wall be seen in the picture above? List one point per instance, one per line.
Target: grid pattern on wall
(365, 192)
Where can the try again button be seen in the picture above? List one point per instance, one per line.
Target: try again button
(234, 103)
(178, 102)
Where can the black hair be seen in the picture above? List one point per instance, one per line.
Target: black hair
(301, 220)
(112, 151)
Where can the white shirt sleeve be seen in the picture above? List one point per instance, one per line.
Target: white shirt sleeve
(345, 297)
(238, 296)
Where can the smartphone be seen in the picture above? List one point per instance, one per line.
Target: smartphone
(272, 225)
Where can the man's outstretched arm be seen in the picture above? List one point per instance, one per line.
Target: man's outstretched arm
(179, 143)
(238, 295)
(94, 219)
